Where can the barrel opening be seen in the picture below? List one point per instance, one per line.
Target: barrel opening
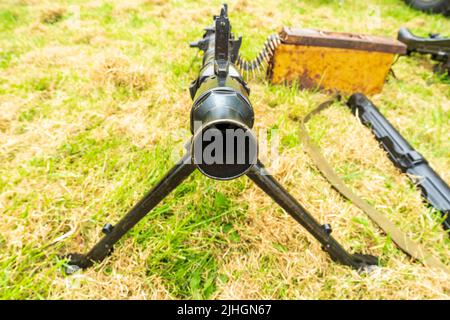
(224, 149)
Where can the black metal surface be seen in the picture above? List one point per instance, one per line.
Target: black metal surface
(222, 37)
(263, 179)
(403, 155)
(436, 46)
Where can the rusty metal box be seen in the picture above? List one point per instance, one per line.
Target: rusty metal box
(333, 61)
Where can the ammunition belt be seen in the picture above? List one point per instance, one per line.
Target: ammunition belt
(263, 59)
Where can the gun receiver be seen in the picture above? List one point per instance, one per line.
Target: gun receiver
(404, 156)
(438, 47)
(221, 113)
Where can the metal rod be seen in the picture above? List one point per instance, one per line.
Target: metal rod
(263, 179)
(167, 184)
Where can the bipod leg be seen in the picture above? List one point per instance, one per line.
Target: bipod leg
(169, 182)
(263, 179)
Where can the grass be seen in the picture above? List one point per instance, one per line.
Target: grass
(94, 110)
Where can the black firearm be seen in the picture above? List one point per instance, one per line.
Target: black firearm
(221, 109)
(436, 46)
(404, 156)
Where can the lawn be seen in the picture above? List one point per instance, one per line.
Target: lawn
(94, 109)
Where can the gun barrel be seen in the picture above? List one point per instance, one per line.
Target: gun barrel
(403, 155)
(222, 116)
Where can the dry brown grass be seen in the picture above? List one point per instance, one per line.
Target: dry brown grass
(52, 15)
(115, 69)
(91, 110)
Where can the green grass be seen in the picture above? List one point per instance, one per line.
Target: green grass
(93, 108)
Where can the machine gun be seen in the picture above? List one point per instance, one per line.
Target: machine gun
(222, 147)
(438, 47)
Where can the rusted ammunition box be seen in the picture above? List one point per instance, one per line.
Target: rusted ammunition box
(333, 61)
